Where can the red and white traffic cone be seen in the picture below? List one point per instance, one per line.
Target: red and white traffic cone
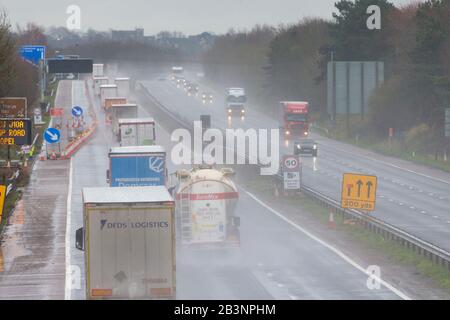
(331, 222)
(53, 156)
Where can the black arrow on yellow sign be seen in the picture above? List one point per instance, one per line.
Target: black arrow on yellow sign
(369, 186)
(359, 183)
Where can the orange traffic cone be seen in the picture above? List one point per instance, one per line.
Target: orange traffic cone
(331, 222)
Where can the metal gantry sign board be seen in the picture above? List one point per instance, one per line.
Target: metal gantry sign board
(291, 172)
(358, 191)
(15, 132)
(13, 107)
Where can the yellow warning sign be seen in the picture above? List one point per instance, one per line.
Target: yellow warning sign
(358, 191)
(2, 200)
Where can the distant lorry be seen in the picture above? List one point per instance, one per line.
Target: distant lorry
(98, 81)
(176, 71)
(107, 91)
(235, 100)
(294, 119)
(137, 166)
(128, 242)
(119, 111)
(98, 70)
(137, 132)
(123, 87)
(108, 107)
(205, 207)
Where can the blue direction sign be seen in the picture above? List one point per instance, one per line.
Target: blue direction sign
(77, 111)
(52, 135)
(32, 54)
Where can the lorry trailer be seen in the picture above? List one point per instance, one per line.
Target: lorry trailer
(108, 107)
(137, 132)
(98, 70)
(119, 111)
(205, 207)
(98, 81)
(107, 91)
(137, 166)
(128, 242)
(123, 87)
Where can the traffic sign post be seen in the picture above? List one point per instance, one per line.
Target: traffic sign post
(52, 135)
(2, 200)
(291, 172)
(77, 111)
(33, 54)
(358, 191)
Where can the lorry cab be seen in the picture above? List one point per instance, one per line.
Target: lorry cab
(235, 102)
(294, 119)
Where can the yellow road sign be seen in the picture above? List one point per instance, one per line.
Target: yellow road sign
(2, 200)
(358, 191)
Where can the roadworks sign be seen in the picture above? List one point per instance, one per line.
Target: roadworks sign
(358, 191)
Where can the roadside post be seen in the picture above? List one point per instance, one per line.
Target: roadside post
(291, 169)
(53, 137)
(2, 200)
(447, 130)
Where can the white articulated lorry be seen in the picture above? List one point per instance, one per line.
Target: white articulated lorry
(120, 111)
(107, 91)
(98, 81)
(129, 244)
(137, 132)
(205, 207)
(98, 70)
(123, 87)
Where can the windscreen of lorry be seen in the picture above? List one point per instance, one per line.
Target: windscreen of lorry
(240, 99)
(296, 117)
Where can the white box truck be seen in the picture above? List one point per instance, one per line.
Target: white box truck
(119, 111)
(107, 91)
(123, 86)
(137, 132)
(98, 81)
(97, 70)
(129, 243)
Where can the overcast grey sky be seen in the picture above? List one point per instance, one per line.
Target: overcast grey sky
(189, 16)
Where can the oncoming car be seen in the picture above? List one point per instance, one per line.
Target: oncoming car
(207, 97)
(305, 147)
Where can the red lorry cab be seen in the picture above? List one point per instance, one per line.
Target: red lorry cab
(294, 119)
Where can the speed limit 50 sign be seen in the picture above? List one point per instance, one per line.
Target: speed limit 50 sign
(291, 172)
(291, 163)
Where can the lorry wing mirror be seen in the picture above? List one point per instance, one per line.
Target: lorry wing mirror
(236, 221)
(107, 176)
(79, 239)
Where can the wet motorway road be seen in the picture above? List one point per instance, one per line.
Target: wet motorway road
(410, 197)
(275, 260)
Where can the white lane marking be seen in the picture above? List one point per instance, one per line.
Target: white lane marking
(390, 164)
(68, 286)
(325, 244)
